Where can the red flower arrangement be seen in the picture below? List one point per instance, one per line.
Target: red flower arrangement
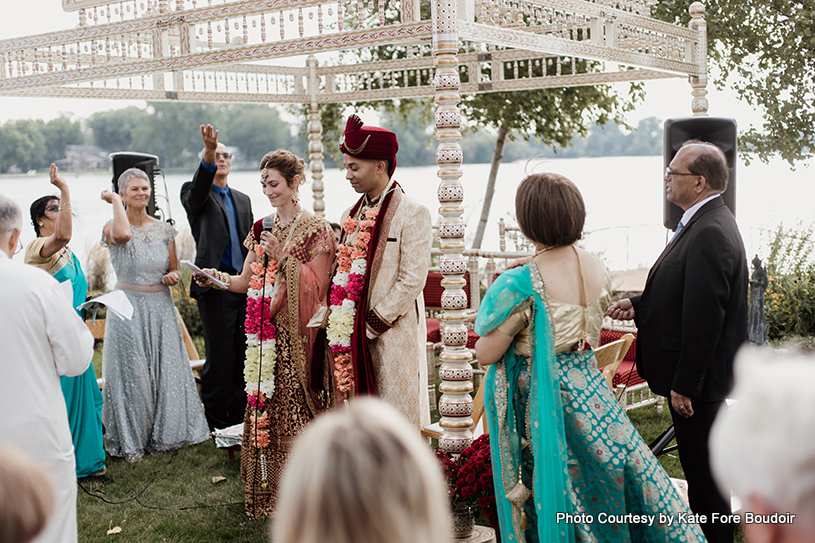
(469, 478)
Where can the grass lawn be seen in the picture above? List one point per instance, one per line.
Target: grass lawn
(169, 497)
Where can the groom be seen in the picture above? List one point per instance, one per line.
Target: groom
(389, 333)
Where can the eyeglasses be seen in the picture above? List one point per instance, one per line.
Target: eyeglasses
(224, 155)
(19, 246)
(668, 173)
(54, 208)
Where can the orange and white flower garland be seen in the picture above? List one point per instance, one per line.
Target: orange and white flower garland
(259, 372)
(346, 293)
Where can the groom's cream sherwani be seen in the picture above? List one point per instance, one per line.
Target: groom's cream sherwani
(399, 275)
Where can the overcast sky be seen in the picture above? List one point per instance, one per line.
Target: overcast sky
(664, 99)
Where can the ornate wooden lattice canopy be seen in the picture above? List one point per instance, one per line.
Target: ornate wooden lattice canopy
(242, 51)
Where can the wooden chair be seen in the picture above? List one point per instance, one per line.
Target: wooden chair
(611, 355)
(434, 430)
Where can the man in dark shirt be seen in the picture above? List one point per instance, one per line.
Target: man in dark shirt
(220, 218)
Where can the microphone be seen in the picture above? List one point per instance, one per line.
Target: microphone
(268, 223)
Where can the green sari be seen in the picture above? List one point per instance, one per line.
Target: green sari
(543, 421)
(83, 398)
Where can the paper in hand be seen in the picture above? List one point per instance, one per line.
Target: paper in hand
(196, 269)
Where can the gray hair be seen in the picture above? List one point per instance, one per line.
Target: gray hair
(129, 174)
(764, 445)
(362, 474)
(11, 218)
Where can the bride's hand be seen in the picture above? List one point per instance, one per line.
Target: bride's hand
(202, 280)
(270, 245)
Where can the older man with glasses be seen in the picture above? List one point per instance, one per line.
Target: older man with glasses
(220, 218)
(692, 317)
(42, 338)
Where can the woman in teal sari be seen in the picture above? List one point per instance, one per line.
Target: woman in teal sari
(568, 465)
(51, 217)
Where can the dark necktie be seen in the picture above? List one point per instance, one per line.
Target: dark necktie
(234, 242)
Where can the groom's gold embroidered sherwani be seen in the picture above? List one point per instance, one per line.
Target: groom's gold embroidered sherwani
(398, 274)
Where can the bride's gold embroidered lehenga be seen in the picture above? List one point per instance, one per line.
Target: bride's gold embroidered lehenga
(299, 376)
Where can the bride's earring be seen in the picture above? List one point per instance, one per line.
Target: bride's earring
(295, 197)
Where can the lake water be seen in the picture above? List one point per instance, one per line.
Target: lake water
(623, 198)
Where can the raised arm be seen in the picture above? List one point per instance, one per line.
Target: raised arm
(117, 232)
(194, 194)
(63, 227)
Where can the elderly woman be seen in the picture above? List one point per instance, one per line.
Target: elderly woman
(362, 474)
(763, 447)
(151, 402)
(285, 376)
(51, 217)
(555, 428)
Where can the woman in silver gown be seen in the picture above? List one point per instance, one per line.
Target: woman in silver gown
(150, 400)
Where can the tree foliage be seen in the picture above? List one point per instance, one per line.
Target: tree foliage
(22, 144)
(764, 52)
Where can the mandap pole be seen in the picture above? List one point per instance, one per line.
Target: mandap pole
(456, 374)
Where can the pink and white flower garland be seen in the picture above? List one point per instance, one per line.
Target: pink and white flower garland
(255, 369)
(346, 292)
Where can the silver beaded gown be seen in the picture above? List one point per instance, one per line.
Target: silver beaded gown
(151, 403)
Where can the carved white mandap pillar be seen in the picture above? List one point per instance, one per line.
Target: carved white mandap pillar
(315, 140)
(699, 104)
(455, 405)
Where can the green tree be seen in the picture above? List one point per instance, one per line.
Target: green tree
(22, 144)
(764, 52)
(256, 130)
(60, 132)
(113, 130)
(170, 131)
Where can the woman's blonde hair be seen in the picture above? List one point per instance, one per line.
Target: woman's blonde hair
(362, 475)
(26, 499)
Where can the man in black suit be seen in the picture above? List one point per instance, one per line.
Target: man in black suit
(692, 317)
(220, 218)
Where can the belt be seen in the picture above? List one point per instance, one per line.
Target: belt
(141, 288)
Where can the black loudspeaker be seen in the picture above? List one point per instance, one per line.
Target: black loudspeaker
(147, 163)
(716, 130)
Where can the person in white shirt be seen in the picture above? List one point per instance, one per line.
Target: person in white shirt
(41, 338)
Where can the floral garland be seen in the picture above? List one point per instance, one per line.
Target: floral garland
(346, 292)
(255, 369)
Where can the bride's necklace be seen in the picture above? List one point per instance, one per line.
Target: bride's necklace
(283, 225)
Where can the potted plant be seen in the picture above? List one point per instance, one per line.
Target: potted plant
(470, 486)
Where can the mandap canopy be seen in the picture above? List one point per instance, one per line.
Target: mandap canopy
(267, 51)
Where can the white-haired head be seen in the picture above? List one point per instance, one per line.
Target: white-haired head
(763, 446)
(128, 175)
(362, 474)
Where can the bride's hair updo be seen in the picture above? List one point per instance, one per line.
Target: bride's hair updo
(287, 163)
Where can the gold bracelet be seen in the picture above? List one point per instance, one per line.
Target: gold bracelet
(65, 206)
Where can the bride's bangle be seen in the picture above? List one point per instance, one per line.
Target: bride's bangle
(224, 278)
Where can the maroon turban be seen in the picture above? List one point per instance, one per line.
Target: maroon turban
(370, 142)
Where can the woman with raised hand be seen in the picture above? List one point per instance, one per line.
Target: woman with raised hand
(286, 275)
(53, 222)
(555, 427)
(151, 402)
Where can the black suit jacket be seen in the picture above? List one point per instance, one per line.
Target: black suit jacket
(692, 314)
(207, 217)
